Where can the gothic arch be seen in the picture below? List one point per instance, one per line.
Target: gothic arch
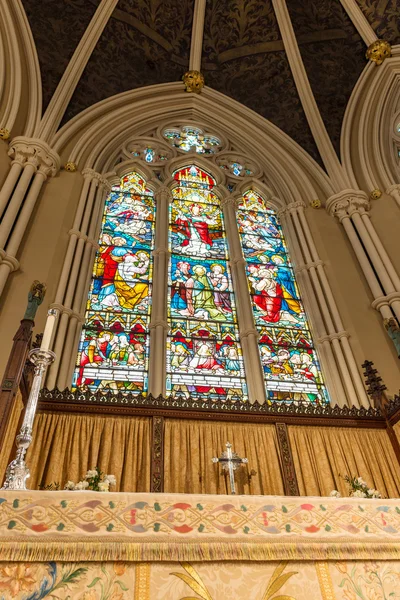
(367, 132)
(21, 97)
(93, 136)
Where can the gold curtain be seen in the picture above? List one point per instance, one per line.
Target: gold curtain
(65, 446)
(189, 446)
(322, 454)
(396, 428)
(9, 439)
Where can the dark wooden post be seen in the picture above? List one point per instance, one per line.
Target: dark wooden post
(376, 391)
(13, 373)
(157, 455)
(16, 362)
(289, 474)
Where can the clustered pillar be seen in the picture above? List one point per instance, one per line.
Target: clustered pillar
(340, 371)
(351, 207)
(32, 162)
(71, 293)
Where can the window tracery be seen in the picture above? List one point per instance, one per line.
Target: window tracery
(190, 137)
(204, 354)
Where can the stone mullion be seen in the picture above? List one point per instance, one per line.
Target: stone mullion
(247, 330)
(158, 321)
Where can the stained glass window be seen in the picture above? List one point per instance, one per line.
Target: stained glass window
(192, 137)
(237, 169)
(289, 361)
(113, 350)
(204, 356)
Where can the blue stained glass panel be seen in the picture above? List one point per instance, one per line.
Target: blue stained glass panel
(204, 356)
(114, 346)
(289, 360)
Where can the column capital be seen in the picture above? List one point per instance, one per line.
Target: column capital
(333, 336)
(394, 190)
(161, 251)
(102, 181)
(24, 151)
(378, 303)
(295, 206)
(159, 323)
(77, 233)
(291, 208)
(307, 266)
(89, 173)
(163, 194)
(346, 203)
(10, 261)
(93, 175)
(251, 332)
(230, 201)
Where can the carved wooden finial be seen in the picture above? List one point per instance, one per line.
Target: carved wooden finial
(375, 386)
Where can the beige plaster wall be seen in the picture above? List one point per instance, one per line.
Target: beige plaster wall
(41, 255)
(385, 216)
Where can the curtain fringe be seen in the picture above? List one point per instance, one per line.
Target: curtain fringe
(213, 551)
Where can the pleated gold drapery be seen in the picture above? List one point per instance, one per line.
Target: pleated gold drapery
(322, 455)
(189, 446)
(396, 428)
(8, 443)
(65, 446)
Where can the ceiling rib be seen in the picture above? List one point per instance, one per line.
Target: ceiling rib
(359, 20)
(317, 126)
(70, 79)
(196, 46)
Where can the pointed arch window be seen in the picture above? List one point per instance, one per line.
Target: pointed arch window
(114, 346)
(204, 355)
(203, 348)
(289, 360)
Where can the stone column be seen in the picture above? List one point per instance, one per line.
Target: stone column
(158, 321)
(71, 275)
(33, 161)
(341, 372)
(77, 316)
(247, 331)
(351, 208)
(394, 191)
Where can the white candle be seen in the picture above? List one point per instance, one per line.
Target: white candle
(48, 330)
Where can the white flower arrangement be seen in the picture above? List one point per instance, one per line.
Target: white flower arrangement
(94, 480)
(358, 488)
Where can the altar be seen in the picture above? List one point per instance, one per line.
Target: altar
(142, 546)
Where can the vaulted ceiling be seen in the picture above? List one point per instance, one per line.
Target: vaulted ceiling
(148, 42)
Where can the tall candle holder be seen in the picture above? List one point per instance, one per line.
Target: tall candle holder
(17, 471)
